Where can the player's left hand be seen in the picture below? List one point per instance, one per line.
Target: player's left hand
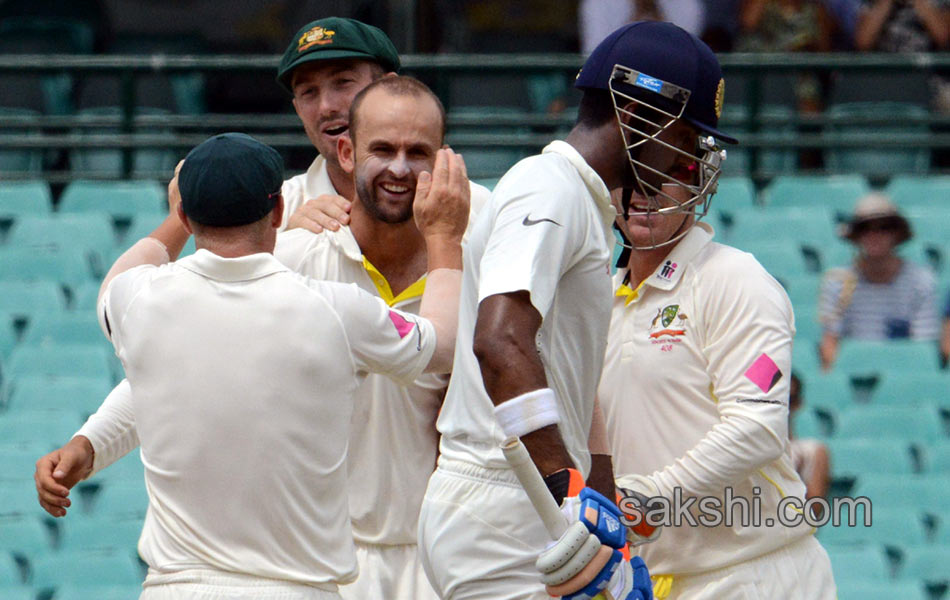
(441, 203)
(587, 560)
(174, 196)
(326, 211)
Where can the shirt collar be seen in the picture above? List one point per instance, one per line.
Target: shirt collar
(243, 268)
(595, 185)
(668, 274)
(318, 180)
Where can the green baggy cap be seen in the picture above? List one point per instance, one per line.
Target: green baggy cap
(335, 38)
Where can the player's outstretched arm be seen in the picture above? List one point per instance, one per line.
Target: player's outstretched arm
(441, 208)
(57, 472)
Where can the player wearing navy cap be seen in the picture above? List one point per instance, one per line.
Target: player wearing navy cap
(696, 373)
(244, 374)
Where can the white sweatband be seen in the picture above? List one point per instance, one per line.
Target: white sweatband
(528, 412)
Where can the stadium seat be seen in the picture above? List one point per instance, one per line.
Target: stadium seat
(10, 578)
(35, 426)
(889, 527)
(68, 268)
(146, 162)
(852, 589)
(808, 424)
(827, 390)
(930, 225)
(23, 161)
(18, 198)
(63, 360)
(18, 499)
(868, 561)
(863, 358)
(121, 499)
(85, 568)
(937, 458)
(120, 199)
(923, 492)
(917, 191)
(781, 258)
(99, 592)
(920, 423)
(805, 357)
(91, 233)
(802, 290)
(18, 592)
(84, 298)
(7, 338)
(734, 195)
(27, 536)
(837, 193)
(813, 226)
(18, 463)
(90, 533)
(927, 563)
(807, 326)
(911, 388)
(856, 457)
(80, 327)
(22, 299)
(877, 161)
(80, 394)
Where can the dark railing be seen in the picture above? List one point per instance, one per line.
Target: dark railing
(530, 131)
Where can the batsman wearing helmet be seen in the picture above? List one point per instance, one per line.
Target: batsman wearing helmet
(698, 362)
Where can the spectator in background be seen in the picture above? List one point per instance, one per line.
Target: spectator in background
(880, 295)
(908, 26)
(945, 335)
(810, 456)
(599, 18)
(788, 26)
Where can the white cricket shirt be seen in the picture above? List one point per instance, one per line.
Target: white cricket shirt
(242, 377)
(695, 395)
(545, 230)
(315, 181)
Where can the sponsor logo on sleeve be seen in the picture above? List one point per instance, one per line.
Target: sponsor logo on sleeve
(764, 373)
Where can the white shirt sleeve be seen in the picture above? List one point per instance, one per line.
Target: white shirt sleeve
(533, 241)
(111, 429)
(382, 339)
(747, 325)
(118, 295)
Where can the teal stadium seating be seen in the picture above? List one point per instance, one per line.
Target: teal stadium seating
(75, 327)
(912, 388)
(927, 563)
(89, 233)
(865, 563)
(7, 338)
(917, 191)
(893, 527)
(29, 536)
(890, 590)
(859, 357)
(937, 461)
(70, 591)
(150, 162)
(871, 160)
(856, 457)
(10, 576)
(66, 267)
(921, 492)
(908, 423)
(18, 198)
(120, 500)
(22, 161)
(84, 298)
(837, 193)
(80, 393)
(27, 427)
(827, 390)
(21, 299)
(88, 360)
(120, 199)
(85, 568)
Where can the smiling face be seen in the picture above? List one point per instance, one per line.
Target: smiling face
(323, 92)
(395, 139)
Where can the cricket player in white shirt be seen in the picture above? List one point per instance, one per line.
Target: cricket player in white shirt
(533, 323)
(384, 256)
(209, 347)
(696, 375)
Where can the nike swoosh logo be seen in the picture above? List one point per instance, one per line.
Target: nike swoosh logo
(528, 221)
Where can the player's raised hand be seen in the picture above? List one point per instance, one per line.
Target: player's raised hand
(326, 211)
(442, 199)
(174, 196)
(57, 472)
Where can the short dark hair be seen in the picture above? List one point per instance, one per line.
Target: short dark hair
(397, 85)
(596, 108)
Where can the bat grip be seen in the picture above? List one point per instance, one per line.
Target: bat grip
(539, 495)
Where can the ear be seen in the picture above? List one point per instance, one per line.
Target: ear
(344, 153)
(184, 219)
(277, 214)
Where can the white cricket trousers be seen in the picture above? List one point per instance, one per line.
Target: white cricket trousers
(799, 571)
(393, 572)
(205, 584)
(479, 536)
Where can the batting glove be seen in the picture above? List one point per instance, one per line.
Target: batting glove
(587, 558)
(634, 493)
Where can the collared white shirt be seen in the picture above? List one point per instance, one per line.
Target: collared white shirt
(695, 395)
(242, 377)
(546, 230)
(306, 186)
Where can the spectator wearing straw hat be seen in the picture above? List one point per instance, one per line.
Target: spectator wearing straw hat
(880, 295)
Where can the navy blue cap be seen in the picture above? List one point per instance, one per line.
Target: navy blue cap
(230, 179)
(668, 53)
